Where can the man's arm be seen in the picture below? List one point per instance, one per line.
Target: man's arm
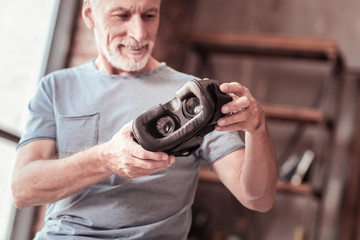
(39, 178)
(250, 173)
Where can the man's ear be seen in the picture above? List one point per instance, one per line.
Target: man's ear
(87, 14)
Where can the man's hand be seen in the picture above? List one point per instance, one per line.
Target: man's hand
(243, 112)
(122, 155)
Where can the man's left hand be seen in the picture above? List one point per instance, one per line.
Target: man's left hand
(243, 112)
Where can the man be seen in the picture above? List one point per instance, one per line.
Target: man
(77, 152)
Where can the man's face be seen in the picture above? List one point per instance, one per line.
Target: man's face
(125, 31)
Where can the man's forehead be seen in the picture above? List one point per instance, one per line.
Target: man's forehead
(130, 4)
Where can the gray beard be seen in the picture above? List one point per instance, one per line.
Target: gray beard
(128, 64)
(125, 63)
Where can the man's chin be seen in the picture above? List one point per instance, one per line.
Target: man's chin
(130, 65)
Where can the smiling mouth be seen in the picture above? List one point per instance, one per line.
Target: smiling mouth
(134, 50)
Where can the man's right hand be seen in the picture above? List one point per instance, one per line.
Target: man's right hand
(123, 156)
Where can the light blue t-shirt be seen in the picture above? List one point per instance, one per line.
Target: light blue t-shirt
(81, 107)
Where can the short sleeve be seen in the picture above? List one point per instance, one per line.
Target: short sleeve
(217, 144)
(40, 122)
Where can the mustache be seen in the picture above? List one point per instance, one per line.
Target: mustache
(133, 44)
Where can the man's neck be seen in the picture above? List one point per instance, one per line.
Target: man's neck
(103, 65)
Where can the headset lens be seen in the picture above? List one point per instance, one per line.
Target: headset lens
(193, 106)
(165, 125)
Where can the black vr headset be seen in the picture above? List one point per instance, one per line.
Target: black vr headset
(179, 126)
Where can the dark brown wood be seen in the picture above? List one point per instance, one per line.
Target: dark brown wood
(265, 45)
(9, 136)
(304, 188)
(175, 21)
(350, 221)
(292, 113)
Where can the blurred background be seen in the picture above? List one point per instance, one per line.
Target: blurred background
(299, 58)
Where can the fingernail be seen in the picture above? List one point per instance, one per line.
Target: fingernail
(165, 157)
(221, 122)
(225, 109)
(223, 87)
(172, 159)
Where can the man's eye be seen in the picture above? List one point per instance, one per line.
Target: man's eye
(123, 15)
(148, 16)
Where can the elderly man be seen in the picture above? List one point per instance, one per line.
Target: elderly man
(77, 153)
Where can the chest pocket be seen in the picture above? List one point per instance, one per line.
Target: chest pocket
(76, 133)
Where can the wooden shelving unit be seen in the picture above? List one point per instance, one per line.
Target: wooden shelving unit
(322, 117)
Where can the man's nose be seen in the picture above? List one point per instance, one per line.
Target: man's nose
(136, 28)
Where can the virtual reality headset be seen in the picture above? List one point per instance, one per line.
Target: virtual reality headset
(179, 126)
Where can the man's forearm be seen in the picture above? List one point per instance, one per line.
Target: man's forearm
(45, 181)
(38, 180)
(251, 173)
(259, 173)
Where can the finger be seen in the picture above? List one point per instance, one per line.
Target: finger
(134, 167)
(138, 172)
(154, 170)
(153, 164)
(234, 118)
(232, 127)
(233, 87)
(137, 151)
(127, 129)
(236, 105)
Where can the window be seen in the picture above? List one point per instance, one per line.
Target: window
(25, 27)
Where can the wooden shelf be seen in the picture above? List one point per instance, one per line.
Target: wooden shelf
(303, 189)
(265, 45)
(301, 114)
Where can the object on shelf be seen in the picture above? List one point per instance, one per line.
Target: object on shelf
(296, 167)
(303, 167)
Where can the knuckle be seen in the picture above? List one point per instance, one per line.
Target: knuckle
(121, 167)
(132, 176)
(128, 173)
(130, 151)
(147, 165)
(142, 155)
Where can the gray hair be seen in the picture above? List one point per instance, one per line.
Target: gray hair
(92, 2)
